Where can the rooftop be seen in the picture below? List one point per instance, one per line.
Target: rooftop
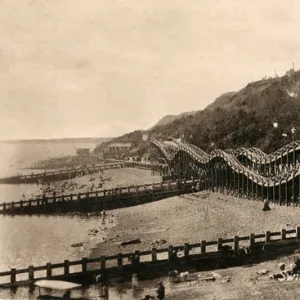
(119, 145)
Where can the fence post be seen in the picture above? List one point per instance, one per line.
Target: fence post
(154, 254)
(13, 276)
(49, 270)
(252, 239)
(84, 264)
(66, 267)
(119, 260)
(267, 237)
(236, 244)
(283, 234)
(220, 244)
(30, 273)
(298, 233)
(102, 262)
(186, 249)
(170, 252)
(4, 207)
(203, 246)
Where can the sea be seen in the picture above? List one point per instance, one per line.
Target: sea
(37, 240)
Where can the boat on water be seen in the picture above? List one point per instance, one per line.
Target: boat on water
(57, 285)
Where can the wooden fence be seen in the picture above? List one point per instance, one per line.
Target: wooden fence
(201, 250)
(71, 173)
(100, 199)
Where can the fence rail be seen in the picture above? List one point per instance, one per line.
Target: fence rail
(71, 173)
(98, 199)
(154, 255)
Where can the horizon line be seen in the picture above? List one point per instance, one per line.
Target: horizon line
(51, 139)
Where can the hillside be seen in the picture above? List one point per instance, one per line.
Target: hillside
(170, 118)
(235, 119)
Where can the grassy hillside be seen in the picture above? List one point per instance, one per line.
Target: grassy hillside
(243, 118)
(170, 118)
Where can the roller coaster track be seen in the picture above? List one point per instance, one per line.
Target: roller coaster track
(219, 161)
(255, 157)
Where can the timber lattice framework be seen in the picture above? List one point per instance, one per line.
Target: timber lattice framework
(243, 172)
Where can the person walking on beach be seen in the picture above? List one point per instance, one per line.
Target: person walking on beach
(100, 280)
(105, 292)
(135, 282)
(161, 291)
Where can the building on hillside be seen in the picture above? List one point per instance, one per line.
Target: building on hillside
(117, 150)
(119, 147)
(82, 151)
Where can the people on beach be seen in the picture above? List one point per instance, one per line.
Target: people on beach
(135, 282)
(266, 206)
(105, 291)
(197, 187)
(100, 280)
(160, 291)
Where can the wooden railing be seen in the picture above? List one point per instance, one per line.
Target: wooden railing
(70, 173)
(100, 195)
(205, 249)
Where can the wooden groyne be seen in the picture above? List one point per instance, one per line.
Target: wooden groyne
(99, 200)
(65, 174)
(153, 263)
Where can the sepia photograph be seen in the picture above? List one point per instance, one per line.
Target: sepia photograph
(149, 149)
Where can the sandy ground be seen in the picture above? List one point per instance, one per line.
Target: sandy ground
(193, 217)
(242, 283)
(98, 181)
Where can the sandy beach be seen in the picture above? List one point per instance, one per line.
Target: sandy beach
(108, 179)
(204, 215)
(104, 180)
(190, 218)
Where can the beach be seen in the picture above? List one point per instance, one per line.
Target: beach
(191, 218)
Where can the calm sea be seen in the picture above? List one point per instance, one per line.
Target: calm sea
(37, 240)
(15, 156)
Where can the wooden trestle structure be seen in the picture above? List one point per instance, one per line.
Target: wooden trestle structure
(243, 172)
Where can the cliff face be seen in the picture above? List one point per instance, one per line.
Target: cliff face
(243, 118)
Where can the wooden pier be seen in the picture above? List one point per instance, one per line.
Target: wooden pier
(158, 262)
(72, 173)
(99, 200)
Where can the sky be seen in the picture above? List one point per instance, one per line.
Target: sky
(96, 68)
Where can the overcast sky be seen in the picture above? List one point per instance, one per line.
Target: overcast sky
(95, 68)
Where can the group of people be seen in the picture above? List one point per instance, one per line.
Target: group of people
(104, 289)
(160, 291)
